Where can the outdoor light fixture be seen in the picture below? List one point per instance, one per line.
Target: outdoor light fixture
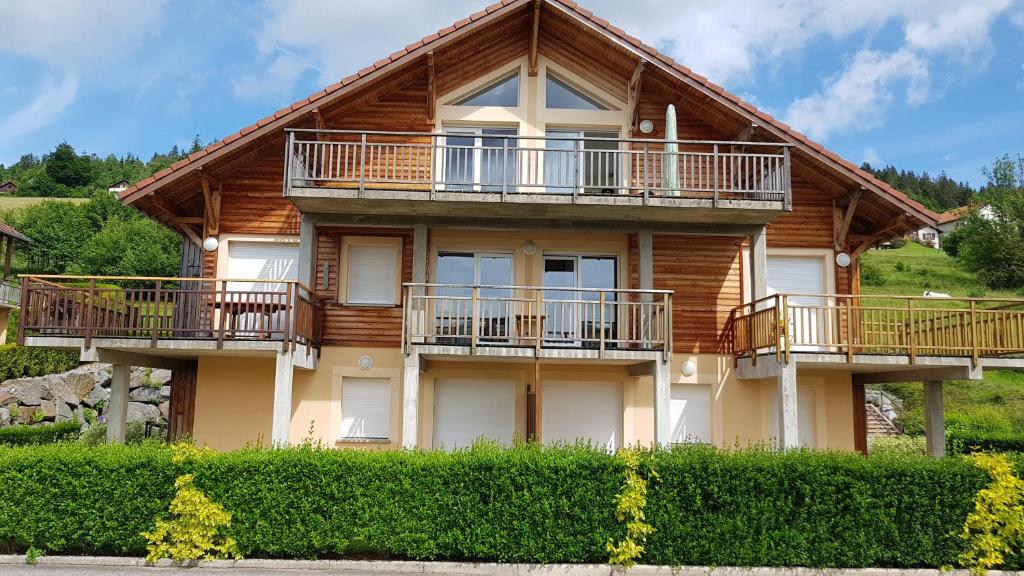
(529, 247)
(646, 126)
(365, 362)
(689, 368)
(210, 244)
(843, 259)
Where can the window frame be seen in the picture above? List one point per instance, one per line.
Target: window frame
(347, 242)
(385, 382)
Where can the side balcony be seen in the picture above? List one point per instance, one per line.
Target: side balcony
(420, 174)
(879, 338)
(459, 321)
(107, 317)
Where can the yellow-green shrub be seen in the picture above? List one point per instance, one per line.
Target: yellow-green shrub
(995, 528)
(195, 529)
(629, 509)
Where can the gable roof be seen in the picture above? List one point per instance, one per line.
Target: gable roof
(957, 213)
(8, 183)
(288, 114)
(8, 230)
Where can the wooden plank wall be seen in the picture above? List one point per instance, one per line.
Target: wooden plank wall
(356, 325)
(182, 410)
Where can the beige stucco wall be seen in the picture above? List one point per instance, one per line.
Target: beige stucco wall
(234, 398)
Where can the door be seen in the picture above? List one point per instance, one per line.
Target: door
(572, 315)
(806, 275)
(584, 161)
(258, 306)
(479, 159)
(455, 311)
(588, 411)
(691, 413)
(469, 409)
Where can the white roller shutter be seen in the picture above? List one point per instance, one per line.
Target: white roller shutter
(366, 408)
(691, 413)
(800, 274)
(465, 410)
(591, 411)
(371, 274)
(262, 260)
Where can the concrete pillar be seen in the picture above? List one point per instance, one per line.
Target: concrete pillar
(759, 264)
(934, 419)
(307, 236)
(411, 401)
(282, 422)
(663, 401)
(117, 407)
(789, 427)
(5, 316)
(419, 274)
(645, 247)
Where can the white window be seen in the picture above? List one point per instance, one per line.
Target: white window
(801, 275)
(560, 94)
(372, 273)
(691, 413)
(365, 408)
(262, 261)
(502, 92)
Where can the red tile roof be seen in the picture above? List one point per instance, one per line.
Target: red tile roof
(589, 17)
(8, 230)
(955, 214)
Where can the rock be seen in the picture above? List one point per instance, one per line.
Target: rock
(137, 411)
(49, 408)
(97, 395)
(146, 394)
(5, 416)
(165, 392)
(64, 412)
(148, 377)
(82, 380)
(25, 414)
(62, 392)
(165, 410)
(80, 416)
(27, 391)
(6, 395)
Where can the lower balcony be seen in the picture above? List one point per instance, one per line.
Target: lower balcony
(173, 317)
(460, 320)
(879, 338)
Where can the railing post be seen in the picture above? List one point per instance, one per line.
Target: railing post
(362, 164)
(289, 336)
(647, 172)
(974, 335)
(784, 320)
(289, 158)
(714, 202)
(504, 168)
(601, 345)
(222, 323)
(156, 314)
(475, 318)
(88, 313)
(539, 313)
(666, 327)
(787, 180)
(23, 311)
(434, 166)
(576, 170)
(849, 330)
(911, 336)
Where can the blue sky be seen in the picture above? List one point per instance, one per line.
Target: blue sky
(922, 84)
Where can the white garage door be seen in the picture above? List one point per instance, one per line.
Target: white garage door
(591, 411)
(465, 410)
(691, 413)
(800, 274)
(262, 260)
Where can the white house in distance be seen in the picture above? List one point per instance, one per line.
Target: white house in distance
(948, 221)
(119, 186)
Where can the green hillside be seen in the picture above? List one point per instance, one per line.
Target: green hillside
(995, 405)
(15, 202)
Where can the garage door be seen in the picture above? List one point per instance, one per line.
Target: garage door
(591, 411)
(468, 409)
(800, 274)
(262, 260)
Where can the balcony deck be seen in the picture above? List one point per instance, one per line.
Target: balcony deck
(879, 338)
(415, 173)
(169, 317)
(460, 321)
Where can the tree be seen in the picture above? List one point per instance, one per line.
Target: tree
(993, 246)
(66, 167)
(130, 247)
(58, 231)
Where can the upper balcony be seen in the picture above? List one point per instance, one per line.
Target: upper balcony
(613, 179)
(169, 317)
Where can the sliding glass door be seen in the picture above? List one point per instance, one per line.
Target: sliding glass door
(479, 159)
(455, 307)
(588, 166)
(573, 315)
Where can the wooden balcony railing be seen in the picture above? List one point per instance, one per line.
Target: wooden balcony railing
(10, 293)
(881, 325)
(507, 165)
(474, 316)
(157, 309)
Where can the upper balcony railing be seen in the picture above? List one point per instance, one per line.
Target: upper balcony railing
(10, 293)
(475, 316)
(717, 172)
(849, 325)
(152, 310)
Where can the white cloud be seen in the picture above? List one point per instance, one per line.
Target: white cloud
(47, 105)
(871, 156)
(859, 96)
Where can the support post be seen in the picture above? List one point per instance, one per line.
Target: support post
(645, 246)
(419, 275)
(663, 400)
(759, 264)
(789, 428)
(934, 419)
(307, 237)
(411, 401)
(282, 423)
(117, 410)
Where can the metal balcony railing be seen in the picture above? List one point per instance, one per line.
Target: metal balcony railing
(880, 325)
(158, 309)
(508, 165)
(474, 316)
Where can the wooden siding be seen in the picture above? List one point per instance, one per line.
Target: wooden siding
(356, 325)
(182, 410)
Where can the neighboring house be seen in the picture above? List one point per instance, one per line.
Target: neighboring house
(948, 221)
(929, 236)
(485, 234)
(8, 187)
(119, 186)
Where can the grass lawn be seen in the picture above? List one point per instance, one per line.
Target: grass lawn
(997, 404)
(14, 202)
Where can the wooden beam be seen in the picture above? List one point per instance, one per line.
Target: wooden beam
(431, 97)
(8, 253)
(534, 33)
(173, 217)
(866, 242)
(746, 134)
(189, 220)
(318, 123)
(844, 225)
(633, 95)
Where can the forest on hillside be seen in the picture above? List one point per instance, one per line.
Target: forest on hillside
(939, 193)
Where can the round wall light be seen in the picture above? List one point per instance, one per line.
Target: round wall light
(843, 259)
(529, 247)
(365, 362)
(646, 126)
(210, 244)
(689, 368)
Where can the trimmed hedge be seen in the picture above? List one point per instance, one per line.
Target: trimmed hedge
(20, 361)
(958, 443)
(46, 434)
(523, 504)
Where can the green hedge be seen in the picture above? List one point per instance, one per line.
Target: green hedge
(517, 505)
(20, 361)
(959, 443)
(45, 434)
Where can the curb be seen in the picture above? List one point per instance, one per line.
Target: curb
(470, 568)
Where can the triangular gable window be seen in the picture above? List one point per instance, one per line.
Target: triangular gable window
(562, 95)
(503, 92)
